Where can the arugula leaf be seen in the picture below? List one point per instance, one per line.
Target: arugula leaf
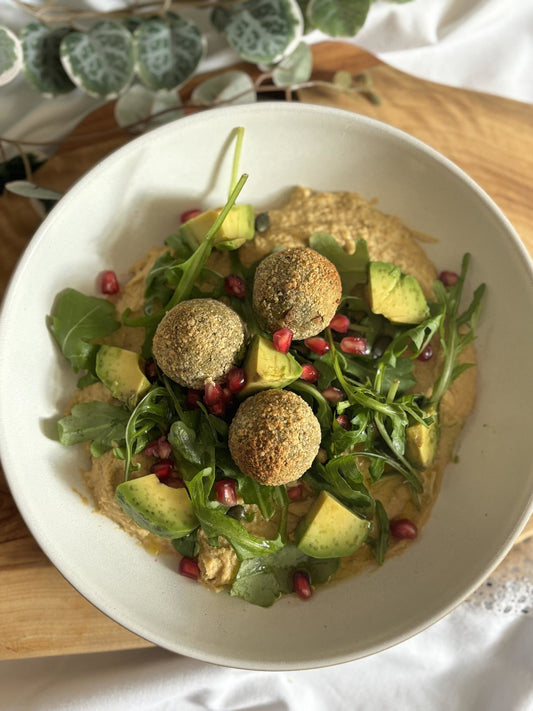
(261, 581)
(150, 418)
(157, 292)
(214, 522)
(309, 392)
(100, 423)
(187, 545)
(456, 330)
(341, 477)
(379, 544)
(352, 268)
(77, 320)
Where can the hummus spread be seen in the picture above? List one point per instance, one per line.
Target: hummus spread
(346, 216)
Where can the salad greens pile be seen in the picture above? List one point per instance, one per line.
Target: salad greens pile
(377, 405)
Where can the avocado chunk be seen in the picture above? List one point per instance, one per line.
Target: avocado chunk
(120, 371)
(265, 367)
(421, 442)
(330, 530)
(160, 509)
(396, 296)
(237, 228)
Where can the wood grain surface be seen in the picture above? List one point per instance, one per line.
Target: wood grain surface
(489, 137)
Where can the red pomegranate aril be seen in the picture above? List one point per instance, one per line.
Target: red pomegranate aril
(189, 568)
(218, 408)
(235, 286)
(449, 278)
(295, 492)
(333, 394)
(150, 370)
(109, 282)
(340, 323)
(318, 345)
(226, 492)
(213, 393)
(175, 482)
(189, 215)
(302, 585)
(403, 528)
(354, 344)
(344, 421)
(236, 379)
(159, 448)
(426, 353)
(282, 340)
(309, 373)
(162, 469)
(192, 399)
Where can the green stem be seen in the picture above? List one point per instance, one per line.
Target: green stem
(193, 266)
(323, 414)
(236, 158)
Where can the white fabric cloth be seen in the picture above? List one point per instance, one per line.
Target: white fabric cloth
(471, 660)
(481, 655)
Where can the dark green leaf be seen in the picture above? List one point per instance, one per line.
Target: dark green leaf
(167, 51)
(150, 418)
(79, 319)
(186, 546)
(100, 423)
(262, 580)
(42, 63)
(353, 268)
(338, 18)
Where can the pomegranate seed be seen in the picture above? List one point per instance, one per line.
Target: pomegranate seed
(318, 345)
(339, 323)
(354, 344)
(162, 469)
(227, 395)
(449, 278)
(403, 528)
(302, 585)
(333, 394)
(282, 340)
(159, 448)
(344, 421)
(109, 282)
(213, 393)
(426, 353)
(150, 370)
(309, 373)
(189, 568)
(192, 398)
(236, 379)
(189, 215)
(235, 286)
(226, 492)
(295, 493)
(175, 482)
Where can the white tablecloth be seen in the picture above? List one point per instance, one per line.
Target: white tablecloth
(481, 655)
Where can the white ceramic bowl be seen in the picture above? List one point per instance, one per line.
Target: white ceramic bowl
(130, 202)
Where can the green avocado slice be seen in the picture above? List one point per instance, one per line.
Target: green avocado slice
(237, 228)
(396, 296)
(265, 367)
(160, 509)
(120, 371)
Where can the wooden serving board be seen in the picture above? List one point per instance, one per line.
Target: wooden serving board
(489, 137)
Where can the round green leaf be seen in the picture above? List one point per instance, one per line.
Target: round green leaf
(10, 56)
(233, 87)
(263, 31)
(99, 61)
(295, 68)
(42, 63)
(139, 103)
(167, 51)
(338, 18)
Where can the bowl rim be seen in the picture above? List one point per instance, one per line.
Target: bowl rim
(77, 188)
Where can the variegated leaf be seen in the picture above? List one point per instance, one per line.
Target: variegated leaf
(99, 61)
(233, 87)
(139, 103)
(338, 18)
(295, 68)
(10, 56)
(42, 64)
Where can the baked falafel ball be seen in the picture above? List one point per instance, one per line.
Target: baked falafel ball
(198, 339)
(296, 288)
(274, 437)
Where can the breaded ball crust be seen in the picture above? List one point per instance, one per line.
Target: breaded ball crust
(296, 288)
(274, 437)
(198, 339)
